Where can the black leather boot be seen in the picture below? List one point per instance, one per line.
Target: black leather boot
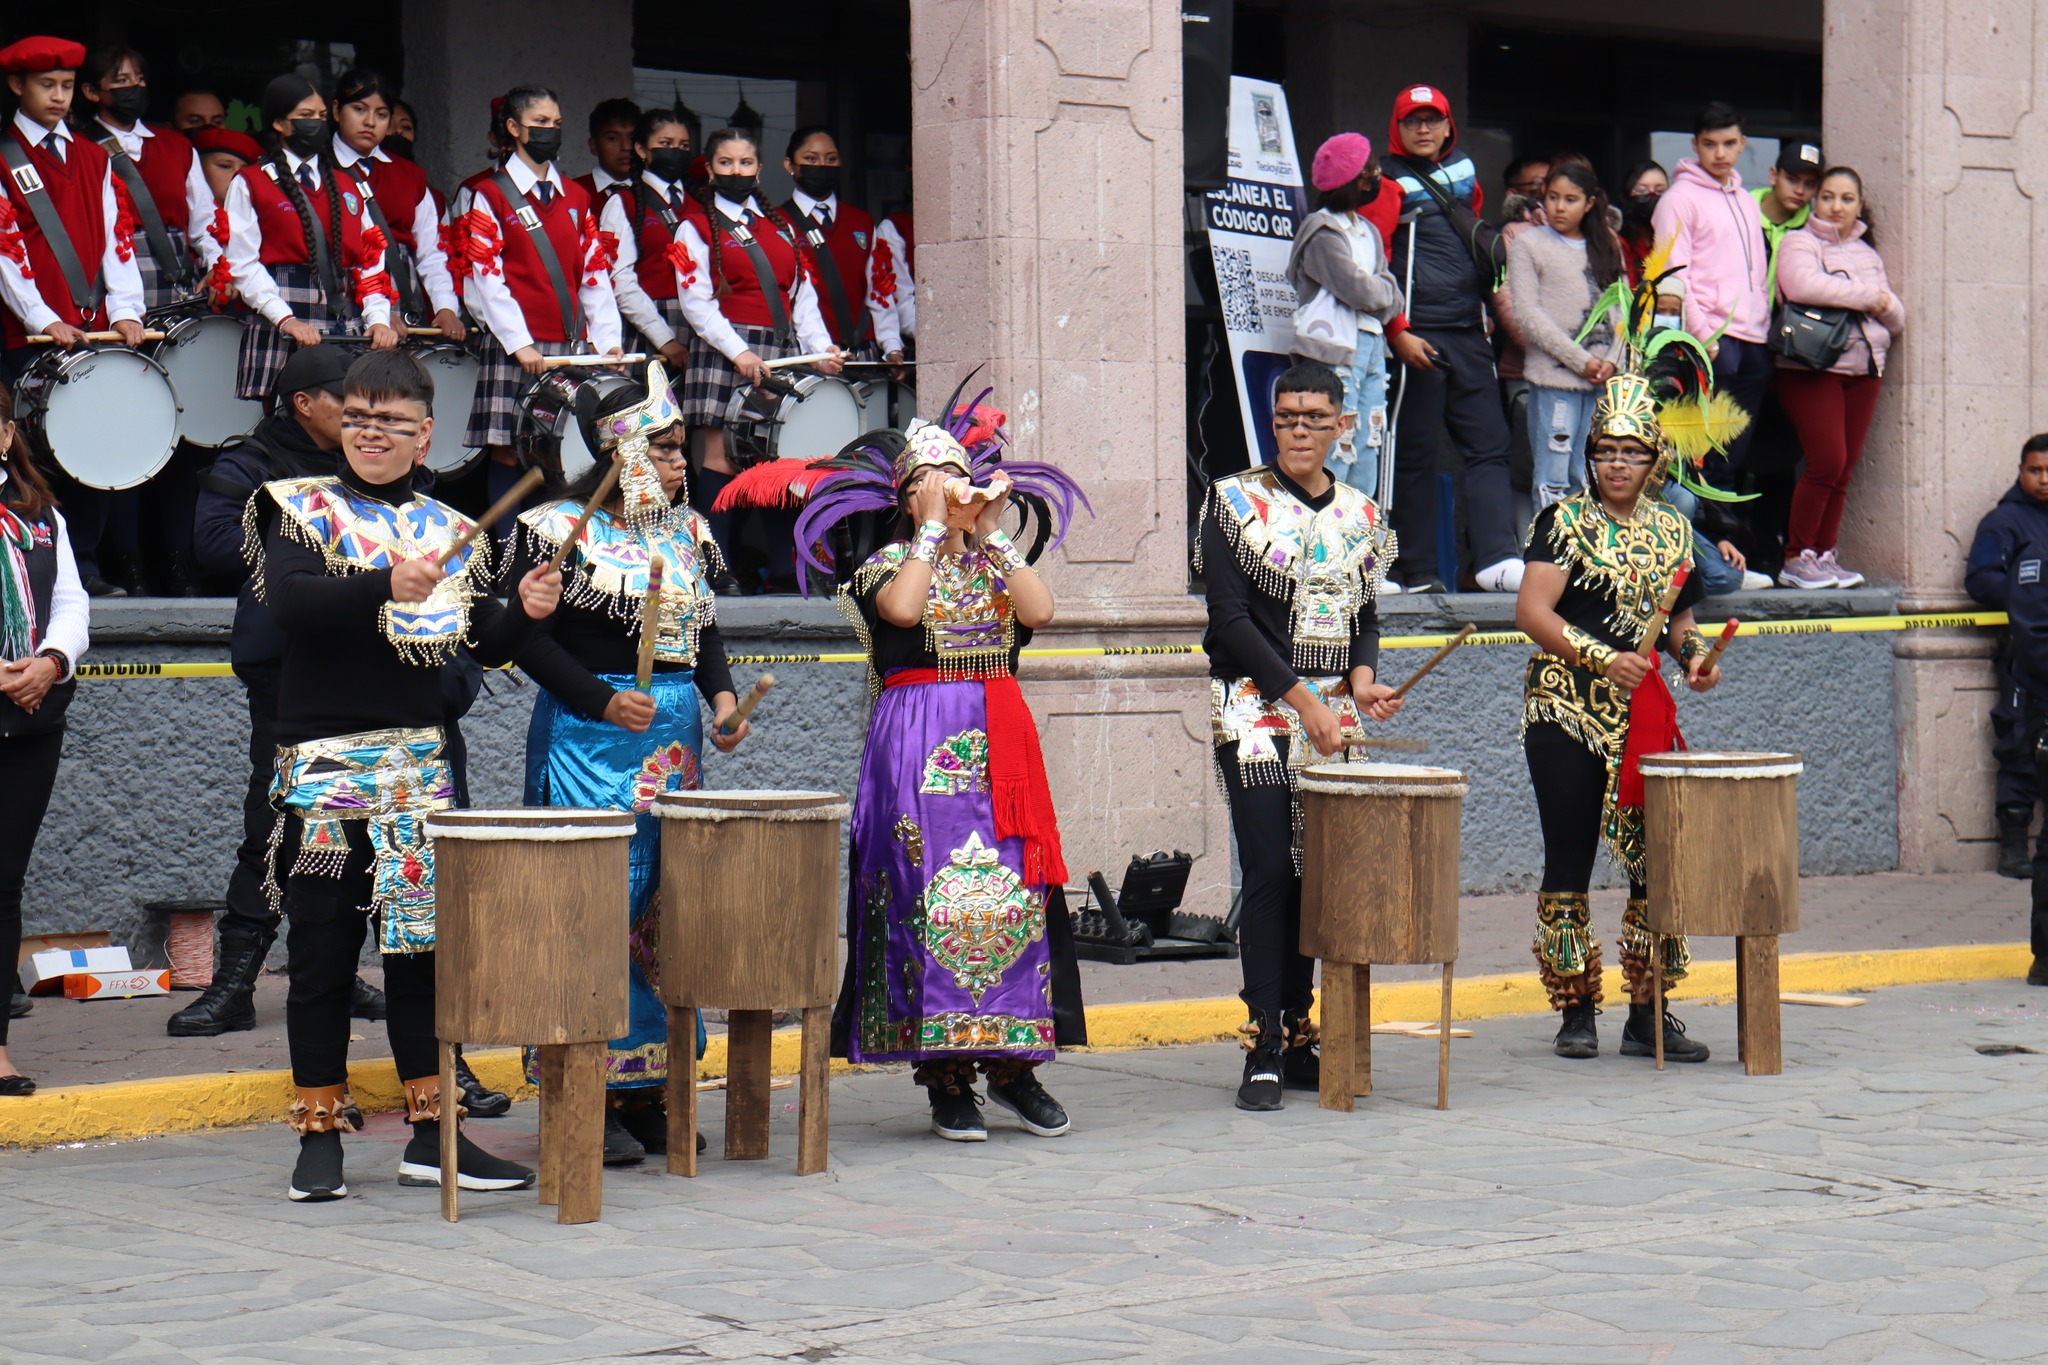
(2013, 858)
(367, 1002)
(479, 1101)
(229, 1004)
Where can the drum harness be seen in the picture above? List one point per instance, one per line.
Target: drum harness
(857, 324)
(537, 233)
(338, 299)
(174, 263)
(764, 274)
(86, 295)
(411, 299)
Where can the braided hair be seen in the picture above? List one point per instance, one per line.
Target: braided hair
(708, 196)
(280, 97)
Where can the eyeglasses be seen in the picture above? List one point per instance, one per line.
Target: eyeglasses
(1625, 461)
(1307, 421)
(1423, 118)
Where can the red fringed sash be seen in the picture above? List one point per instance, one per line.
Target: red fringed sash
(1652, 729)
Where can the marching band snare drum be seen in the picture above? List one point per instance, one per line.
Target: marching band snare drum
(454, 372)
(200, 352)
(107, 414)
(548, 413)
(814, 419)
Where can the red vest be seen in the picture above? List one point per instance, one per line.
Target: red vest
(903, 224)
(284, 236)
(74, 190)
(652, 239)
(564, 221)
(165, 162)
(742, 302)
(399, 186)
(599, 198)
(851, 239)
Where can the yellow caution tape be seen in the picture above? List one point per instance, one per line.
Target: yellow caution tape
(1834, 625)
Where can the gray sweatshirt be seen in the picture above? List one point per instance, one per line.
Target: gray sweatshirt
(1342, 253)
(1552, 290)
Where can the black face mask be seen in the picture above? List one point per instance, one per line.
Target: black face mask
(543, 144)
(736, 187)
(397, 145)
(819, 182)
(669, 163)
(128, 103)
(308, 136)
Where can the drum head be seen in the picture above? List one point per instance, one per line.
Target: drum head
(538, 824)
(827, 413)
(454, 372)
(110, 417)
(742, 800)
(1383, 774)
(1721, 763)
(874, 397)
(201, 355)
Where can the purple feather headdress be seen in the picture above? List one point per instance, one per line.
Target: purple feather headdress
(871, 473)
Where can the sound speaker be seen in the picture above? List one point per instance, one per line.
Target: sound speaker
(1205, 47)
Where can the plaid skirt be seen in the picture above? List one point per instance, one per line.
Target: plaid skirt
(265, 348)
(158, 291)
(711, 379)
(494, 418)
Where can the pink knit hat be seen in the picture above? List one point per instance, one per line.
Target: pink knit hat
(1339, 160)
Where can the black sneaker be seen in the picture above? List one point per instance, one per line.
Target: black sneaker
(1301, 1068)
(1264, 1071)
(367, 1002)
(479, 1101)
(475, 1168)
(317, 1176)
(20, 1006)
(956, 1114)
(649, 1126)
(1577, 1036)
(2037, 975)
(621, 1148)
(1038, 1111)
(1638, 1041)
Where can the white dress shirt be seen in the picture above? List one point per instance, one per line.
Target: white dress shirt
(620, 214)
(882, 318)
(245, 254)
(902, 308)
(490, 296)
(122, 278)
(199, 203)
(430, 262)
(700, 304)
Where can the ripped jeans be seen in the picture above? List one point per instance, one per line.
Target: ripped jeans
(1558, 422)
(1355, 460)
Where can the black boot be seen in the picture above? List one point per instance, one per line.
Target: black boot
(479, 1101)
(229, 1004)
(621, 1148)
(2037, 974)
(1264, 1066)
(2013, 858)
(1638, 1040)
(648, 1123)
(367, 1002)
(1301, 1067)
(1577, 1035)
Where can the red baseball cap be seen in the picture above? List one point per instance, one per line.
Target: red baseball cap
(227, 140)
(30, 55)
(1411, 98)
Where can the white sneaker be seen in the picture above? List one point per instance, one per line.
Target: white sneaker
(1806, 571)
(1844, 578)
(1505, 576)
(1752, 581)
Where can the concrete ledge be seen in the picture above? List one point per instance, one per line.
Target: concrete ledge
(174, 1104)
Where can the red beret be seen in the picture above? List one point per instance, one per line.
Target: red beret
(227, 140)
(30, 55)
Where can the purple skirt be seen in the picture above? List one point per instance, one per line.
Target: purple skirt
(948, 948)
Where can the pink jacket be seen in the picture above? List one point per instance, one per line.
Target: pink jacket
(1717, 233)
(1816, 266)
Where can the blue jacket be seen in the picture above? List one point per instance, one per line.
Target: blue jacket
(2008, 571)
(278, 448)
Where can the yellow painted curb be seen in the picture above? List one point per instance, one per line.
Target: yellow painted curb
(174, 1104)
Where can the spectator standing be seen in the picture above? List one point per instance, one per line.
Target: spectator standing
(1831, 263)
(1345, 299)
(198, 108)
(1525, 176)
(1428, 214)
(1787, 202)
(1716, 233)
(1555, 273)
(612, 123)
(1641, 188)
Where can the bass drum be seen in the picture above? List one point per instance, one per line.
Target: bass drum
(547, 415)
(454, 372)
(808, 419)
(200, 353)
(108, 416)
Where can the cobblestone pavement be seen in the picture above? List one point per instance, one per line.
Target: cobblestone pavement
(69, 1042)
(1882, 1201)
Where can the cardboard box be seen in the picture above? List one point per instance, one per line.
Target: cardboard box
(117, 985)
(31, 944)
(45, 972)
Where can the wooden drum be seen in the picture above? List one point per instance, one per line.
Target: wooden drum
(1379, 883)
(530, 911)
(1721, 839)
(749, 923)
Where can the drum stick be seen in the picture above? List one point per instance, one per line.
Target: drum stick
(423, 331)
(604, 490)
(43, 338)
(528, 481)
(789, 360)
(747, 704)
(1658, 618)
(1444, 652)
(650, 625)
(558, 362)
(1714, 654)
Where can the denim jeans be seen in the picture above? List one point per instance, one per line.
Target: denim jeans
(1558, 422)
(1717, 575)
(1356, 460)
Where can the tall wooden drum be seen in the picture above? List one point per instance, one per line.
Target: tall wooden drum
(750, 924)
(1721, 837)
(1379, 883)
(530, 911)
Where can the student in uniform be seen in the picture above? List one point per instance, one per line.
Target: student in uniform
(896, 257)
(404, 131)
(612, 125)
(74, 186)
(643, 220)
(511, 286)
(223, 154)
(198, 108)
(289, 215)
(400, 202)
(840, 241)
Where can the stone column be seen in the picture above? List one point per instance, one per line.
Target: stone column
(1047, 154)
(1933, 101)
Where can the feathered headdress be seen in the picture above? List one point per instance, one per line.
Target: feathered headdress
(1664, 393)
